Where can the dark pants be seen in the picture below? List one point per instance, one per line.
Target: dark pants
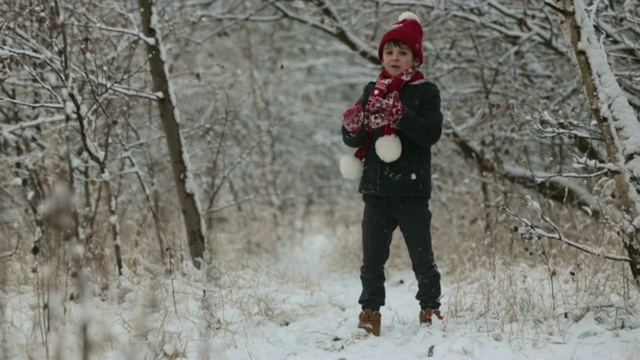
(382, 215)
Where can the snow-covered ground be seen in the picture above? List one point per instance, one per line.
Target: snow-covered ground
(303, 308)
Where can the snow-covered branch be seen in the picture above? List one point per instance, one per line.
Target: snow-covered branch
(337, 30)
(6, 129)
(556, 130)
(531, 230)
(50, 60)
(548, 184)
(31, 105)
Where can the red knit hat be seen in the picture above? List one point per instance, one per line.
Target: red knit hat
(408, 30)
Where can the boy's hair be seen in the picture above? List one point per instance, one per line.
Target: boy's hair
(398, 43)
(408, 31)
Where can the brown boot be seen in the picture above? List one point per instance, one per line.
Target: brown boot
(370, 321)
(426, 313)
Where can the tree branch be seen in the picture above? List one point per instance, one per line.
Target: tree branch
(531, 228)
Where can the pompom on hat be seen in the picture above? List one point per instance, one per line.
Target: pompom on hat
(407, 30)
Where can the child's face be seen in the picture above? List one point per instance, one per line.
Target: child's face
(397, 59)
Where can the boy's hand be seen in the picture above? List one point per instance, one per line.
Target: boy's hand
(385, 111)
(352, 118)
(393, 109)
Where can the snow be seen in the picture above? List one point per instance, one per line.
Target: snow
(16, 182)
(302, 307)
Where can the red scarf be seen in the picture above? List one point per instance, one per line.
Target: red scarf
(385, 87)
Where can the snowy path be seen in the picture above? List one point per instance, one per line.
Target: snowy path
(322, 325)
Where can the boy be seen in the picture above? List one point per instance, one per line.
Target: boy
(400, 114)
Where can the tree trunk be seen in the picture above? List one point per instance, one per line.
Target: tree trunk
(618, 132)
(170, 117)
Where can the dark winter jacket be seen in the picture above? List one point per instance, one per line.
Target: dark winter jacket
(418, 129)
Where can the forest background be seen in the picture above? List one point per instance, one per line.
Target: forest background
(173, 138)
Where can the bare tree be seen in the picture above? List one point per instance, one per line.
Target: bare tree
(170, 117)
